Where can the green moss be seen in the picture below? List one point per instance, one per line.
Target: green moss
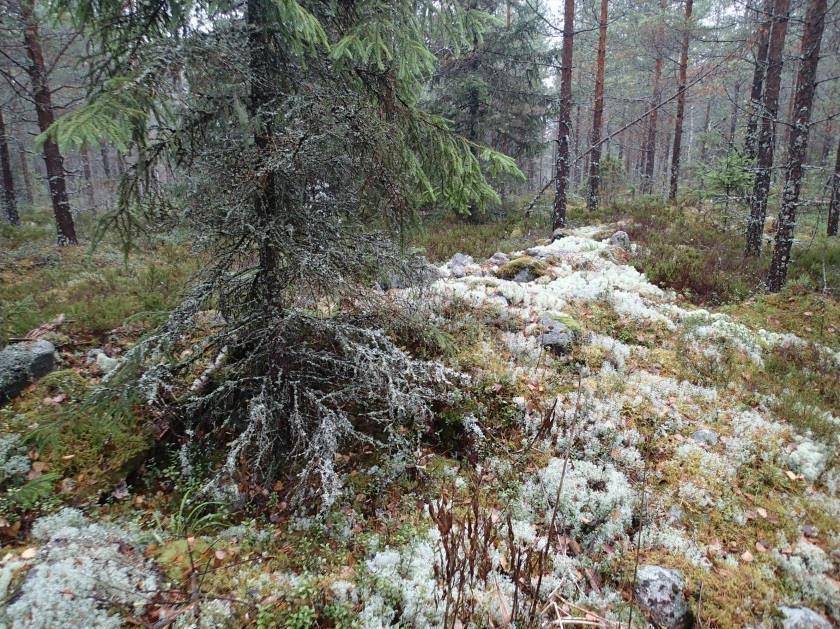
(525, 263)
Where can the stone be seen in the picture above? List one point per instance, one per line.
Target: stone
(705, 435)
(499, 258)
(557, 336)
(105, 363)
(23, 363)
(660, 593)
(524, 276)
(458, 264)
(802, 618)
(620, 239)
(560, 232)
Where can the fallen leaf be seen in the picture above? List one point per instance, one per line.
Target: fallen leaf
(790, 475)
(747, 556)
(761, 511)
(760, 547)
(29, 553)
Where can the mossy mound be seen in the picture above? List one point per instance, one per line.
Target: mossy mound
(535, 268)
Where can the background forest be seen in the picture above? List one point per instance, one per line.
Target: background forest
(431, 313)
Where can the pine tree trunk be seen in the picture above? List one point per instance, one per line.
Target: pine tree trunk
(798, 146)
(561, 169)
(757, 87)
(9, 199)
(706, 123)
(598, 110)
(578, 163)
(676, 154)
(106, 162)
(84, 153)
(53, 159)
(733, 118)
(834, 204)
(766, 137)
(24, 171)
(649, 150)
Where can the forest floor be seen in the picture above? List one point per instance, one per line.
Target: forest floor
(605, 422)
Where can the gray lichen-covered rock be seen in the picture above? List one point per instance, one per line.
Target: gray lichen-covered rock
(802, 618)
(22, 364)
(458, 264)
(499, 258)
(705, 435)
(620, 239)
(558, 335)
(659, 592)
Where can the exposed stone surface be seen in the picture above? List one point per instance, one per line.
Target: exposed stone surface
(499, 258)
(802, 618)
(22, 364)
(659, 592)
(620, 239)
(558, 337)
(706, 435)
(458, 264)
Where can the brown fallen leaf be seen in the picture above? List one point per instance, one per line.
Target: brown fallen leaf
(761, 511)
(29, 553)
(760, 547)
(790, 475)
(747, 556)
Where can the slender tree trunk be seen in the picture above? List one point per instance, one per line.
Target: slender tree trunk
(598, 111)
(834, 205)
(53, 159)
(676, 154)
(9, 199)
(106, 162)
(733, 119)
(757, 87)
(706, 122)
(84, 153)
(766, 137)
(649, 149)
(797, 151)
(561, 170)
(24, 171)
(578, 163)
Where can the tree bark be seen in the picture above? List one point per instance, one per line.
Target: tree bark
(733, 119)
(598, 111)
(84, 153)
(561, 169)
(705, 139)
(9, 199)
(24, 171)
(798, 147)
(53, 159)
(834, 204)
(757, 87)
(106, 162)
(766, 138)
(676, 154)
(649, 151)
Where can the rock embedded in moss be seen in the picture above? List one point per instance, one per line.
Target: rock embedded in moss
(802, 618)
(23, 363)
(660, 593)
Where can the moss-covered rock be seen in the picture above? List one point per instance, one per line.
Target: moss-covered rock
(522, 267)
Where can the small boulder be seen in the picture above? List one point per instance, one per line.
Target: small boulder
(458, 264)
(522, 269)
(802, 618)
(705, 435)
(620, 239)
(499, 258)
(560, 232)
(558, 336)
(660, 593)
(23, 363)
